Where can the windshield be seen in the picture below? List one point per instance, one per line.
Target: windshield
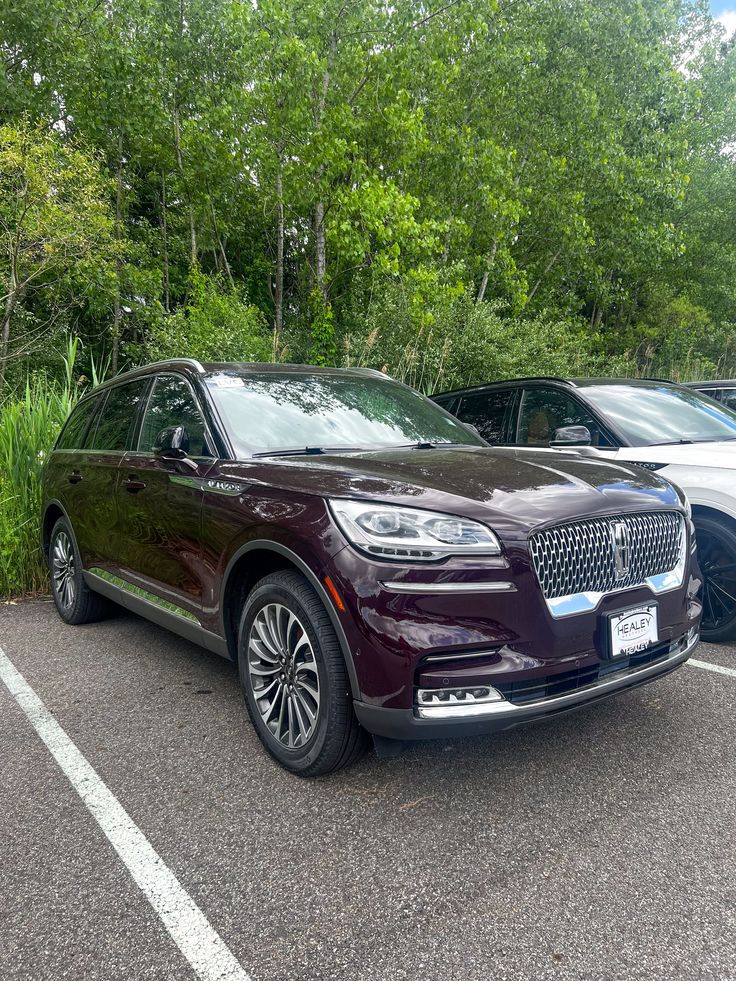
(649, 415)
(272, 411)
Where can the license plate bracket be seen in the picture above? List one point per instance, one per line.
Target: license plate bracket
(631, 631)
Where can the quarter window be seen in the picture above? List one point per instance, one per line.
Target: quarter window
(116, 425)
(487, 411)
(544, 410)
(73, 433)
(172, 403)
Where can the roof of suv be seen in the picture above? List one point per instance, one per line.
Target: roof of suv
(233, 367)
(571, 382)
(713, 383)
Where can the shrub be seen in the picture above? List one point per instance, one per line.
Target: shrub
(449, 341)
(217, 324)
(29, 426)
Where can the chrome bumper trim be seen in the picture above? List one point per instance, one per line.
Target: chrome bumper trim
(448, 587)
(491, 709)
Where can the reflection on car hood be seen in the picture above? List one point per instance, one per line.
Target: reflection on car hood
(515, 489)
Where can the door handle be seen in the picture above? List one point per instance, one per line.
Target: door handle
(74, 477)
(133, 484)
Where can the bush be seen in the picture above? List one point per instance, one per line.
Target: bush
(29, 426)
(450, 341)
(217, 324)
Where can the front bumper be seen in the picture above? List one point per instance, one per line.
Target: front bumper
(460, 719)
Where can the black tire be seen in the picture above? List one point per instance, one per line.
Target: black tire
(716, 542)
(75, 602)
(311, 651)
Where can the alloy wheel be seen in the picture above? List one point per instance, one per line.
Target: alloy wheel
(283, 675)
(63, 570)
(718, 566)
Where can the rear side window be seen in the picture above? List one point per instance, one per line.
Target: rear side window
(116, 422)
(73, 433)
(487, 411)
(172, 403)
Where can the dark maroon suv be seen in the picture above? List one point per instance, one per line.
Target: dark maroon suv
(367, 560)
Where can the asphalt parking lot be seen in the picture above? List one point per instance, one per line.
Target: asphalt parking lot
(598, 845)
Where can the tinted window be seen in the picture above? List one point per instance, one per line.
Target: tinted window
(266, 411)
(544, 410)
(172, 403)
(72, 435)
(652, 413)
(116, 423)
(487, 411)
(728, 397)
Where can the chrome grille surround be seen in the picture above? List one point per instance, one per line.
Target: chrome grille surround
(576, 563)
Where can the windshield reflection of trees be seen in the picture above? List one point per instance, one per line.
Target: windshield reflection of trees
(343, 406)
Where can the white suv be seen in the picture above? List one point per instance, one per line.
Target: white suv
(674, 430)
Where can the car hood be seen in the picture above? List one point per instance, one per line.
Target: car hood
(517, 490)
(720, 455)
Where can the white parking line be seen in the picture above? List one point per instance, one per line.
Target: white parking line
(712, 667)
(183, 919)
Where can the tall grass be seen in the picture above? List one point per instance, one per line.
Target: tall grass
(29, 425)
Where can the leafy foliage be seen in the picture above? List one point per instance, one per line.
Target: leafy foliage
(569, 166)
(217, 324)
(451, 192)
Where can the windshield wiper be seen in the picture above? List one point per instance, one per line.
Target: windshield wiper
(426, 445)
(685, 442)
(311, 451)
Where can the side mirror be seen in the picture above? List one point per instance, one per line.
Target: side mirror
(172, 443)
(572, 436)
(475, 431)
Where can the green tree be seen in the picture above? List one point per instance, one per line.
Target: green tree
(57, 235)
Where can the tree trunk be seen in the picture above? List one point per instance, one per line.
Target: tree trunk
(320, 246)
(220, 245)
(5, 331)
(177, 151)
(494, 247)
(278, 316)
(538, 283)
(117, 307)
(489, 266)
(180, 168)
(320, 250)
(165, 245)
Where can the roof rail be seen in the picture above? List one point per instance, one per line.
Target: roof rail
(145, 369)
(372, 371)
(508, 381)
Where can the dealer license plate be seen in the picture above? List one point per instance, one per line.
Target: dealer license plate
(633, 631)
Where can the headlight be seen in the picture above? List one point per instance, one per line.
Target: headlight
(407, 533)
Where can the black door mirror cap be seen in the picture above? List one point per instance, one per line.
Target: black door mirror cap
(572, 436)
(172, 443)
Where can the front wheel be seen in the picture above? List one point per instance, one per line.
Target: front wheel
(717, 559)
(293, 677)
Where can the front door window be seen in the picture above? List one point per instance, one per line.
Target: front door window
(545, 410)
(172, 403)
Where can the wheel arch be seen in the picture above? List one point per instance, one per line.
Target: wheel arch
(52, 512)
(716, 514)
(247, 566)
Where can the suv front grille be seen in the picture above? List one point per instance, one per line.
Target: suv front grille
(581, 557)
